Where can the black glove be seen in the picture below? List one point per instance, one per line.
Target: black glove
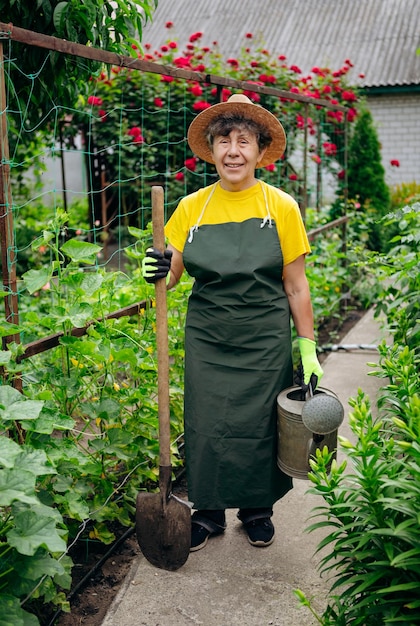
(156, 265)
(299, 380)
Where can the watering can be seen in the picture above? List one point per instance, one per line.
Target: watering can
(306, 423)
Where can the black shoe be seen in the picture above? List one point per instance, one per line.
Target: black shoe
(200, 535)
(260, 532)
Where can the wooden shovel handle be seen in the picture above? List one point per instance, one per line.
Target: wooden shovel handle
(158, 221)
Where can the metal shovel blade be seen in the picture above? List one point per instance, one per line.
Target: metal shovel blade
(163, 527)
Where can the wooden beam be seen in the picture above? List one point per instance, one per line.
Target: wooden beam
(52, 341)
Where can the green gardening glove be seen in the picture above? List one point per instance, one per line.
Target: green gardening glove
(312, 370)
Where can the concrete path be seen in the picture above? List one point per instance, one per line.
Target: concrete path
(230, 582)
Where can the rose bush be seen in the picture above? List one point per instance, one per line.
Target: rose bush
(137, 121)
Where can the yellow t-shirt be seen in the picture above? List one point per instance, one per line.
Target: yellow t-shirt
(227, 206)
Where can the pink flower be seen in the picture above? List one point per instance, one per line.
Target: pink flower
(282, 57)
(351, 115)
(200, 105)
(293, 177)
(158, 102)
(271, 167)
(166, 79)
(296, 69)
(195, 36)
(349, 96)
(182, 62)
(196, 90)
(395, 163)
(95, 101)
(316, 158)
(191, 164)
(173, 45)
(252, 95)
(330, 149)
(134, 130)
(135, 133)
(267, 78)
(179, 176)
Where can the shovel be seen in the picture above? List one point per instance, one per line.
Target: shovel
(163, 521)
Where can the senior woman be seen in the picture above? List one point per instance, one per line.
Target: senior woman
(245, 244)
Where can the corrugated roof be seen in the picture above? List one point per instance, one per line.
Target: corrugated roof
(380, 37)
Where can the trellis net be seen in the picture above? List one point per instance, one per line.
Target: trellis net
(97, 157)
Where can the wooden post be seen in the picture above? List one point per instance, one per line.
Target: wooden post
(7, 242)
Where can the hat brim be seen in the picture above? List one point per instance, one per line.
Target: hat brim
(198, 128)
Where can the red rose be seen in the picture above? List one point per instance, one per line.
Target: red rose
(395, 163)
(200, 105)
(191, 164)
(179, 176)
(195, 36)
(95, 101)
(196, 90)
(330, 149)
(349, 96)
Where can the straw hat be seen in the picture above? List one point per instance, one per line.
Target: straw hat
(238, 104)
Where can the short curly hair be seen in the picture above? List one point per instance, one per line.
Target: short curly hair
(223, 125)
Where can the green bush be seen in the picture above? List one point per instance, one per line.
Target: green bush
(372, 511)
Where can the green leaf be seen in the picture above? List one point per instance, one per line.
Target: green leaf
(9, 450)
(7, 329)
(5, 356)
(34, 280)
(80, 314)
(8, 395)
(11, 613)
(16, 484)
(81, 251)
(59, 16)
(34, 461)
(33, 532)
(92, 282)
(22, 410)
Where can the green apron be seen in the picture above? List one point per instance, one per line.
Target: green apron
(237, 360)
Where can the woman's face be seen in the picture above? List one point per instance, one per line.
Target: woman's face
(236, 156)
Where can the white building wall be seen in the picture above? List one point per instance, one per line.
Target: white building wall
(397, 121)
